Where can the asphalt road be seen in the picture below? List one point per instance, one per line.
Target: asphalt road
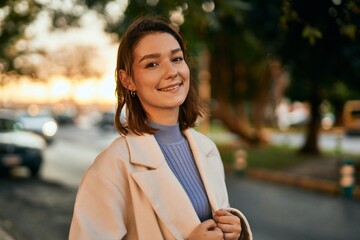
(41, 209)
(281, 212)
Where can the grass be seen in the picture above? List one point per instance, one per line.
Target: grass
(271, 157)
(274, 157)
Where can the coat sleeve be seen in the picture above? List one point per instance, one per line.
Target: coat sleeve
(99, 211)
(246, 233)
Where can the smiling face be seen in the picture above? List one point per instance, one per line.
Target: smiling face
(161, 77)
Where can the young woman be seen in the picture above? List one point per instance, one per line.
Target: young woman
(160, 179)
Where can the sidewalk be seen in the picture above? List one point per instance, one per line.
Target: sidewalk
(4, 235)
(318, 175)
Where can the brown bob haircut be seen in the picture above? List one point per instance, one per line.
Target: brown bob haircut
(137, 120)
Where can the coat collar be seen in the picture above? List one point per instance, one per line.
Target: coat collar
(152, 157)
(157, 178)
(213, 182)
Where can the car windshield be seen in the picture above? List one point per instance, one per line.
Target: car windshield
(7, 125)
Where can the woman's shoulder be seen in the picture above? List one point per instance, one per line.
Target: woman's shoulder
(110, 165)
(201, 137)
(203, 142)
(119, 144)
(114, 153)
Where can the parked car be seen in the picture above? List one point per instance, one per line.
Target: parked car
(351, 117)
(107, 121)
(44, 125)
(19, 147)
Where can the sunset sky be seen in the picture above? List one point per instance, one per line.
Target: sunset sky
(58, 88)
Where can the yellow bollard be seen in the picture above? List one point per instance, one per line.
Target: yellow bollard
(240, 163)
(347, 178)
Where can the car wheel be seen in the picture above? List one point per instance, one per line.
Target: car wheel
(35, 168)
(4, 172)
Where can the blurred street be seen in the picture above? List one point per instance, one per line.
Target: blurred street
(277, 71)
(41, 209)
(328, 141)
(287, 213)
(75, 148)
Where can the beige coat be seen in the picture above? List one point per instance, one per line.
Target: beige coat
(129, 192)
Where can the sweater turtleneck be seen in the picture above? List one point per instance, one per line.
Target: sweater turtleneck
(167, 134)
(179, 157)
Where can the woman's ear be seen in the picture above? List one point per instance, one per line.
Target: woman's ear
(126, 80)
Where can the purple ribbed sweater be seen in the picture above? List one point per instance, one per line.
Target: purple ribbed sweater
(180, 160)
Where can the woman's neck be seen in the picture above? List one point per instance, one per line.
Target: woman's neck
(166, 118)
(167, 134)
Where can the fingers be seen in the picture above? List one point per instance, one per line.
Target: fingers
(209, 224)
(225, 217)
(218, 233)
(223, 212)
(228, 223)
(231, 236)
(212, 231)
(207, 230)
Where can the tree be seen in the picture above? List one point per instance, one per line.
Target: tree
(307, 36)
(235, 71)
(321, 42)
(318, 41)
(16, 19)
(237, 64)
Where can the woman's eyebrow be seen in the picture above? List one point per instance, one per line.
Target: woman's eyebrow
(152, 55)
(156, 55)
(176, 50)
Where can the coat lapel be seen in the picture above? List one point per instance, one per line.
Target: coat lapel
(210, 167)
(159, 184)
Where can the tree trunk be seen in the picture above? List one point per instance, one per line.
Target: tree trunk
(229, 86)
(223, 88)
(311, 145)
(237, 123)
(338, 112)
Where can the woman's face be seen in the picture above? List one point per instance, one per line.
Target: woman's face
(161, 76)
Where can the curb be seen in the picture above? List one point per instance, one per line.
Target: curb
(306, 182)
(4, 235)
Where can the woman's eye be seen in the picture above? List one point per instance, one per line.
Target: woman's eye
(178, 59)
(151, 65)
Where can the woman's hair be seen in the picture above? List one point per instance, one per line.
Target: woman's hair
(137, 118)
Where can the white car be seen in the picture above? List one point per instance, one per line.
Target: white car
(44, 125)
(19, 147)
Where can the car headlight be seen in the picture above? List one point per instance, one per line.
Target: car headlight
(49, 129)
(33, 152)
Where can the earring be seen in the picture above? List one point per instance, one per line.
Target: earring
(133, 93)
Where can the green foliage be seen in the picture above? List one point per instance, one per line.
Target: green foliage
(318, 41)
(321, 43)
(311, 34)
(15, 18)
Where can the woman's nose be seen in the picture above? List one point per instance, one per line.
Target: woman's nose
(171, 70)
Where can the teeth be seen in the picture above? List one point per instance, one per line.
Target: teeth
(169, 88)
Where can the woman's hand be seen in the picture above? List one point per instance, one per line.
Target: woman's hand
(228, 223)
(206, 230)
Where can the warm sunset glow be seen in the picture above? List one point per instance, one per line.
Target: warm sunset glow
(84, 92)
(60, 88)
(92, 91)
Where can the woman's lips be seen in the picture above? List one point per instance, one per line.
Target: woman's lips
(171, 87)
